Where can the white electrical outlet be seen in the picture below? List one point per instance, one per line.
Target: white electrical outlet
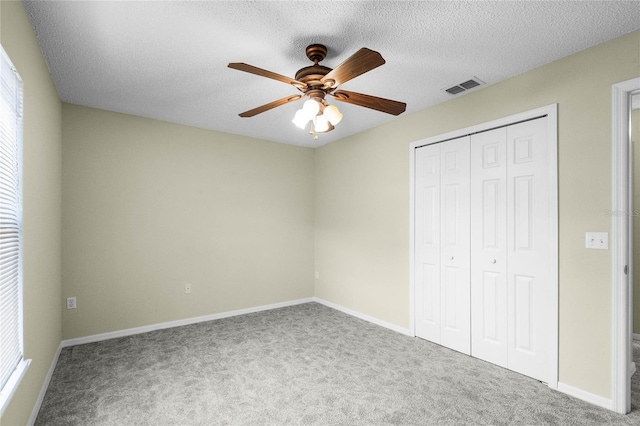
(71, 303)
(187, 289)
(317, 275)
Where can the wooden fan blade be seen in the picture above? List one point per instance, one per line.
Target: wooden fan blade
(373, 102)
(362, 61)
(270, 105)
(264, 73)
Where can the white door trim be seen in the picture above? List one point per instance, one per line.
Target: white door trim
(551, 111)
(621, 333)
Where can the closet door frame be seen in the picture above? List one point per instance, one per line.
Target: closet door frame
(551, 112)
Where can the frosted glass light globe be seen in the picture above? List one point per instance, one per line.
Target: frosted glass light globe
(300, 119)
(333, 114)
(311, 108)
(321, 124)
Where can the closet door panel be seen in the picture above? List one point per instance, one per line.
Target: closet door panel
(528, 221)
(489, 246)
(455, 240)
(427, 242)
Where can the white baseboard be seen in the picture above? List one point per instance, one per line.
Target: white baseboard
(43, 389)
(598, 400)
(365, 317)
(177, 323)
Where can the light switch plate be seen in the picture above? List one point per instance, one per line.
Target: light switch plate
(597, 240)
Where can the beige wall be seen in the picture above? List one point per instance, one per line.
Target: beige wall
(42, 208)
(362, 200)
(150, 206)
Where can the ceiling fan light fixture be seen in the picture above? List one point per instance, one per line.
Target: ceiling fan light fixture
(333, 114)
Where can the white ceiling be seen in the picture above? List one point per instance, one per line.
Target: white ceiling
(168, 59)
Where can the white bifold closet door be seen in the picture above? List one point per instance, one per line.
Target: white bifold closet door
(489, 246)
(442, 241)
(510, 237)
(528, 242)
(482, 236)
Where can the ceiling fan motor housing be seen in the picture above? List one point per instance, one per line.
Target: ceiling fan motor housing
(312, 75)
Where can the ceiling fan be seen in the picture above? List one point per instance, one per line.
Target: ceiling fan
(317, 81)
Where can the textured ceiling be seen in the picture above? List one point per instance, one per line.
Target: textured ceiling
(168, 59)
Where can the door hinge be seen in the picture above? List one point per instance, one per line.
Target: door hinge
(626, 269)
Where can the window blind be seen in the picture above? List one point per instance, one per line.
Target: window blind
(10, 224)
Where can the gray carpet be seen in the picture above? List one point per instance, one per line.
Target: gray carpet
(305, 364)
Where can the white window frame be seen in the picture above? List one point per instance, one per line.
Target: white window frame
(20, 369)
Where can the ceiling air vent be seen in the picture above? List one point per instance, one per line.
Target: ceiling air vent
(463, 87)
(454, 90)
